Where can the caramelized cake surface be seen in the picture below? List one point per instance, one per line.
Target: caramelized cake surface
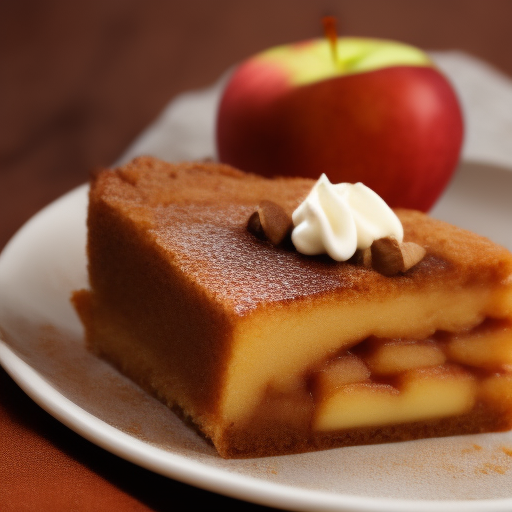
(268, 351)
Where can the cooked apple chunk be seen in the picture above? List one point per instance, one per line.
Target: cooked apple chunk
(389, 357)
(497, 388)
(489, 346)
(357, 405)
(421, 394)
(428, 393)
(346, 369)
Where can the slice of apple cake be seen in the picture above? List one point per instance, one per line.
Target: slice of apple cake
(198, 295)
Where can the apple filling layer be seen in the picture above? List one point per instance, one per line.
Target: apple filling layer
(385, 382)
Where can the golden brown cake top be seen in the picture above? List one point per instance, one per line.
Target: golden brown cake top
(196, 214)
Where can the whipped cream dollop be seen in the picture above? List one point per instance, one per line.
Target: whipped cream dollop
(338, 219)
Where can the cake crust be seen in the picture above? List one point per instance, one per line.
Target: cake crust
(203, 225)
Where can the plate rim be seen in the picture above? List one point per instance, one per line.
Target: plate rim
(182, 468)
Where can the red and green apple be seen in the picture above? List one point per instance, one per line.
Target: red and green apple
(367, 110)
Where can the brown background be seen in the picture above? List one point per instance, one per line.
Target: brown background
(78, 81)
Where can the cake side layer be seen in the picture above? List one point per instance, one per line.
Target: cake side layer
(275, 346)
(138, 294)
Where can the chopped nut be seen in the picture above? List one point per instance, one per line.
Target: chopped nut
(412, 254)
(390, 257)
(363, 257)
(270, 222)
(386, 256)
(254, 225)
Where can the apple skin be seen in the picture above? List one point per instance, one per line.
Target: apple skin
(397, 129)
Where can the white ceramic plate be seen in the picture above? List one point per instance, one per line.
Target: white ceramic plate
(42, 349)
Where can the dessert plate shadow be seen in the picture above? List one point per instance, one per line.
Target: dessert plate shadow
(42, 348)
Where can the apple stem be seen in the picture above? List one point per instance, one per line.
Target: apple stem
(329, 23)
